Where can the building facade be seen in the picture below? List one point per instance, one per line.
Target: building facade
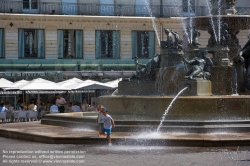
(95, 39)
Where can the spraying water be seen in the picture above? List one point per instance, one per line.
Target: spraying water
(153, 21)
(191, 29)
(212, 22)
(234, 83)
(166, 111)
(219, 20)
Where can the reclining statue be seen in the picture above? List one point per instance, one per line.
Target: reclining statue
(200, 66)
(244, 58)
(146, 71)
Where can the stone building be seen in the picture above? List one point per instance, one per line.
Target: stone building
(95, 39)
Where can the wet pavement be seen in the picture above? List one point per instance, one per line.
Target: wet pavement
(37, 132)
(102, 155)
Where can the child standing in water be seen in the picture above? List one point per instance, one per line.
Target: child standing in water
(108, 124)
(99, 119)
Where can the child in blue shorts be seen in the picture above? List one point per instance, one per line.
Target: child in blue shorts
(108, 124)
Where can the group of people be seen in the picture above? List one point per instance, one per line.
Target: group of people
(58, 105)
(61, 106)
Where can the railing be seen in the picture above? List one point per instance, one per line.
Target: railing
(104, 10)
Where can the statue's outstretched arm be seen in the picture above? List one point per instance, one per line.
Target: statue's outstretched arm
(139, 64)
(185, 60)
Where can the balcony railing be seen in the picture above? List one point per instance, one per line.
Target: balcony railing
(105, 10)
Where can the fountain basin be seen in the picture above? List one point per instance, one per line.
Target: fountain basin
(199, 108)
(234, 22)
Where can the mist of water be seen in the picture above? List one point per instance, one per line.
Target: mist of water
(166, 111)
(153, 21)
(234, 82)
(219, 20)
(212, 22)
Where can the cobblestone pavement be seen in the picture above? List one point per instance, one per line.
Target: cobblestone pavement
(22, 153)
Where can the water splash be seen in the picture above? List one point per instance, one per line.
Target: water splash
(175, 73)
(219, 20)
(149, 135)
(191, 29)
(115, 92)
(234, 82)
(185, 29)
(170, 105)
(212, 22)
(153, 21)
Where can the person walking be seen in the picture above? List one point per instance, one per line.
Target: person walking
(60, 102)
(108, 124)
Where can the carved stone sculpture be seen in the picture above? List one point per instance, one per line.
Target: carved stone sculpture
(225, 37)
(200, 66)
(146, 72)
(244, 58)
(173, 41)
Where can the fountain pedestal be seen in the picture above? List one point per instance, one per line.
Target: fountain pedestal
(136, 88)
(198, 87)
(170, 57)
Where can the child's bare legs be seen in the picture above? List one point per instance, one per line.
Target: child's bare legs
(102, 133)
(109, 138)
(99, 129)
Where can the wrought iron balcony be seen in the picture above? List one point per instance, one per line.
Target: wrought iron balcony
(104, 10)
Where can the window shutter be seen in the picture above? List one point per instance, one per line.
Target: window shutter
(79, 49)
(116, 44)
(134, 44)
(20, 43)
(1, 43)
(60, 43)
(40, 43)
(98, 44)
(151, 44)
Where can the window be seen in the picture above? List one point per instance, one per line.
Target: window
(142, 7)
(1, 43)
(30, 43)
(188, 7)
(69, 7)
(143, 44)
(30, 4)
(107, 44)
(106, 7)
(70, 43)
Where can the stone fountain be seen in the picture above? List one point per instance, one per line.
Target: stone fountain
(216, 98)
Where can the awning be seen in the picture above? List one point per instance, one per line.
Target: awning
(108, 73)
(10, 92)
(55, 92)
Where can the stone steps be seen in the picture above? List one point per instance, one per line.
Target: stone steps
(187, 129)
(89, 122)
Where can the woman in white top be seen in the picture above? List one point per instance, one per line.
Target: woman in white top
(85, 106)
(32, 106)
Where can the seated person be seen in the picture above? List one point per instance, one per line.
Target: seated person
(69, 107)
(76, 108)
(85, 105)
(2, 107)
(54, 108)
(93, 107)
